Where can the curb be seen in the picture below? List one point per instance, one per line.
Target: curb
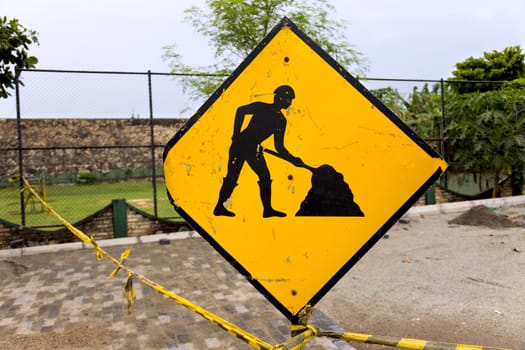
(457, 207)
(53, 248)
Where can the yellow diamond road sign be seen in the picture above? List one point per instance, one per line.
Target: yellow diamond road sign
(292, 170)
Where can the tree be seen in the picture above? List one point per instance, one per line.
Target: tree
(486, 126)
(234, 28)
(14, 43)
(487, 132)
(503, 65)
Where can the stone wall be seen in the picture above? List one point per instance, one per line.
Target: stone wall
(100, 145)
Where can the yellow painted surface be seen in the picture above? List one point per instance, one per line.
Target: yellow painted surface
(407, 343)
(329, 122)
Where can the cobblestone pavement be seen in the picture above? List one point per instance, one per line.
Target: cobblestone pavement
(54, 292)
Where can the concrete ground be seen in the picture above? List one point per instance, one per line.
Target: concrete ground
(440, 281)
(60, 297)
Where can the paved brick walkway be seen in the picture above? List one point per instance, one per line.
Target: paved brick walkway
(68, 288)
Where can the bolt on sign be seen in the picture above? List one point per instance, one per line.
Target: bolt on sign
(293, 170)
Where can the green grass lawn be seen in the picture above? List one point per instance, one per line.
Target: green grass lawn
(75, 202)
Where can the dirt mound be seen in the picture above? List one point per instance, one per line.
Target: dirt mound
(483, 216)
(330, 195)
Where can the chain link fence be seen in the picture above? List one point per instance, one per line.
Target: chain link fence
(85, 138)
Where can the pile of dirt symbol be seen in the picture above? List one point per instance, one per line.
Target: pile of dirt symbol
(481, 215)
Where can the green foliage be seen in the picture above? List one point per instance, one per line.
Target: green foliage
(14, 43)
(503, 65)
(235, 27)
(486, 124)
(486, 131)
(485, 121)
(424, 111)
(515, 84)
(421, 111)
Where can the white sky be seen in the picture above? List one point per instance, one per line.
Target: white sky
(401, 39)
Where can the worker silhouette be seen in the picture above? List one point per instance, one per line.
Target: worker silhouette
(267, 120)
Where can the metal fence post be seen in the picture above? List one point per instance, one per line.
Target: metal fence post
(120, 218)
(152, 141)
(443, 125)
(20, 155)
(444, 150)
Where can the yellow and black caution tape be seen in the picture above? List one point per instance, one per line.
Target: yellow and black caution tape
(403, 343)
(303, 334)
